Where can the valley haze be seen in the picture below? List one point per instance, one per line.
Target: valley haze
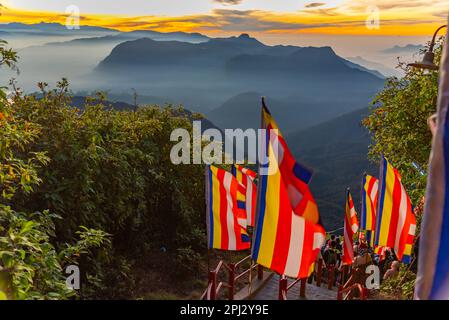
(311, 90)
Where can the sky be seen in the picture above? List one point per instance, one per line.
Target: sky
(344, 24)
(398, 17)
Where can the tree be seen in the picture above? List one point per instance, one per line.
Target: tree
(30, 265)
(398, 124)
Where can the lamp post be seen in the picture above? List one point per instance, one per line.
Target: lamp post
(428, 61)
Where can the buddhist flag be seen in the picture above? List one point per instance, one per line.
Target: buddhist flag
(407, 257)
(395, 222)
(287, 238)
(223, 229)
(370, 191)
(432, 281)
(247, 192)
(351, 226)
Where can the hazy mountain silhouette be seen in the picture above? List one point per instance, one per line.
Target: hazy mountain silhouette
(134, 35)
(49, 28)
(410, 48)
(205, 75)
(375, 67)
(337, 151)
(243, 111)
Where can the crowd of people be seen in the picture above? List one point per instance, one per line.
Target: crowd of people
(364, 255)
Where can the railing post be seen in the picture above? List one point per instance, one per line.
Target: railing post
(302, 291)
(231, 281)
(319, 272)
(330, 280)
(344, 272)
(340, 293)
(213, 287)
(259, 272)
(364, 293)
(282, 287)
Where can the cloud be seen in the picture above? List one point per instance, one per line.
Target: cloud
(360, 6)
(229, 2)
(248, 20)
(314, 4)
(405, 17)
(322, 11)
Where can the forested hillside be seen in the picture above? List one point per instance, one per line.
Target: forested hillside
(95, 187)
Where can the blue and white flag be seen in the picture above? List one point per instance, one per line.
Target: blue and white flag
(432, 281)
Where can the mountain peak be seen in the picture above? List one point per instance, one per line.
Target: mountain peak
(244, 36)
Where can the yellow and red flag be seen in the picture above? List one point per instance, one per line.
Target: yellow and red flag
(223, 228)
(247, 192)
(287, 237)
(351, 226)
(395, 223)
(369, 198)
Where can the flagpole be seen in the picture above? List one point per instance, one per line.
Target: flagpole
(362, 221)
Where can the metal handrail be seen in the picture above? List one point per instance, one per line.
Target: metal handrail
(291, 285)
(243, 260)
(214, 288)
(349, 289)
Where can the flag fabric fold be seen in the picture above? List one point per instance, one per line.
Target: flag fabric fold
(224, 231)
(287, 238)
(369, 197)
(351, 226)
(247, 192)
(432, 280)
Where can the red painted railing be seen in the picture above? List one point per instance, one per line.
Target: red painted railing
(363, 292)
(350, 288)
(284, 287)
(214, 286)
(321, 266)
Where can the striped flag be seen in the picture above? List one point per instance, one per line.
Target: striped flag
(432, 281)
(247, 192)
(395, 222)
(286, 238)
(351, 226)
(223, 229)
(407, 257)
(381, 251)
(294, 177)
(370, 188)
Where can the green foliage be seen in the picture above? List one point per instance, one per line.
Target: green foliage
(111, 170)
(8, 56)
(400, 287)
(30, 262)
(31, 267)
(398, 122)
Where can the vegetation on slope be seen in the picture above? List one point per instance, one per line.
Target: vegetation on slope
(62, 168)
(398, 123)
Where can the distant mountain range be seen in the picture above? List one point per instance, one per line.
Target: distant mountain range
(44, 27)
(309, 84)
(410, 48)
(57, 28)
(317, 97)
(375, 67)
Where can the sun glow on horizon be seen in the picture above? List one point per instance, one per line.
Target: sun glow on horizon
(341, 18)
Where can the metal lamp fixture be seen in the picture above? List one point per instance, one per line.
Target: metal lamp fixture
(428, 61)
